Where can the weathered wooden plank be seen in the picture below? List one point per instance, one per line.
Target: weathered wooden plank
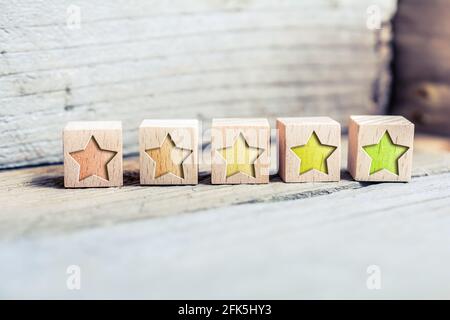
(311, 248)
(140, 59)
(422, 46)
(34, 202)
(30, 13)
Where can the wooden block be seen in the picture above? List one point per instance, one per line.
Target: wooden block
(240, 151)
(169, 152)
(93, 154)
(380, 148)
(309, 149)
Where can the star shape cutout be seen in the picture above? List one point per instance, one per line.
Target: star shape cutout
(93, 160)
(313, 155)
(169, 158)
(385, 154)
(240, 157)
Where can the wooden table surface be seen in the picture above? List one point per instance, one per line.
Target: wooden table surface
(312, 240)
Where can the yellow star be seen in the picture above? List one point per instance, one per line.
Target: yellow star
(93, 160)
(313, 155)
(240, 157)
(169, 158)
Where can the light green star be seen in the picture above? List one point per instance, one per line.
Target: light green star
(313, 155)
(385, 154)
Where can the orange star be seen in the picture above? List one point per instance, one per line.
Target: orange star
(169, 158)
(93, 160)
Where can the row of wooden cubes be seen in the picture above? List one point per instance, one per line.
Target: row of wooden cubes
(380, 149)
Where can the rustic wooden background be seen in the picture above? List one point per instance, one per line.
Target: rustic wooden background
(422, 68)
(205, 58)
(138, 59)
(277, 240)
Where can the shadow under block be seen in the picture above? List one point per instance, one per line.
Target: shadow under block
(380, 148)
(93, 154)
(240, 151)
(309, 149)
(168, 152)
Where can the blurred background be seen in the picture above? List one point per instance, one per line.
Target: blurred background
(130, 60)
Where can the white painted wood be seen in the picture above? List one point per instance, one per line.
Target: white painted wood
(132, 60)
(35, 204)
(315, 248)
(261, 241)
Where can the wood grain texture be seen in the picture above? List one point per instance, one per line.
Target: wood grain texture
(35, 204)
(93, 154)
(313, 248)
(422, 47)
(187, 59)
(294, 132)
(367, 131)
(240, 151)
(168, 152)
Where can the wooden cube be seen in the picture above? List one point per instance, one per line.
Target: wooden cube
(380, 148)
(93, 154)
(309, 149)
(240, 151)
(169, 152)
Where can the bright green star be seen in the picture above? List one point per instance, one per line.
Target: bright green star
(313, 155)
(385, 154)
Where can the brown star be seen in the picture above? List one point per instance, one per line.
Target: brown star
(169, 158)
(93, 160)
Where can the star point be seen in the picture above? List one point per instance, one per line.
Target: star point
(313, 155)
(169, 158)
(240, 157)
(93, 160)
(385, 154)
